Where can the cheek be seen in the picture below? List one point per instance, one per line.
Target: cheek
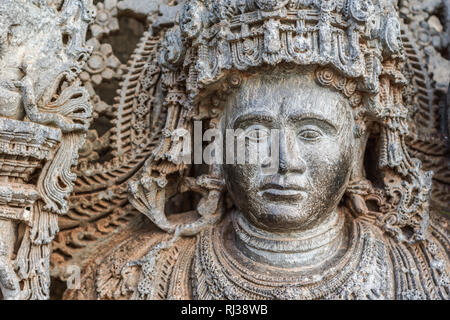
(241, 179)
(329, 166)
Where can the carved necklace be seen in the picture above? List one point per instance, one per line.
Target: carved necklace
(359, 271)
(290, 249)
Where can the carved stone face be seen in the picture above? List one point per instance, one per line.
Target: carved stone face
(316, 150)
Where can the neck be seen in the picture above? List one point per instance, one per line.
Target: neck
(288, 250)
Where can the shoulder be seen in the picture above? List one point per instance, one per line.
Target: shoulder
(418, 270)
(114, 274)
(422, 269)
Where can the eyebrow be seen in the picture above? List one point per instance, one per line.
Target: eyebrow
(252, 117)
(313, 116)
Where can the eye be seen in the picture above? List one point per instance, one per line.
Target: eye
(310, 134)
(257, 133)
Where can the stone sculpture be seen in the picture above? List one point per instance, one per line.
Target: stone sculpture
(346, 214)
(346, 101)
(44, 114)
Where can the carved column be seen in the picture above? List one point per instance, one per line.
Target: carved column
(44, 114)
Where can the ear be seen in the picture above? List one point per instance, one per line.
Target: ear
(360, 138)
(358, 185)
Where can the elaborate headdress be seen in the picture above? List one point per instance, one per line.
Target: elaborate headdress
(357, 49)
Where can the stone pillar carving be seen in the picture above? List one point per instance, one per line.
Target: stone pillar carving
(44, 114)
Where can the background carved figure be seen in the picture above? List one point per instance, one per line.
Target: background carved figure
(44, 114)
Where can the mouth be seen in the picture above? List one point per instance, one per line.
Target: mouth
(279, 192)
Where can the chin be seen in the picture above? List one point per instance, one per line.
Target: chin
(283, 217)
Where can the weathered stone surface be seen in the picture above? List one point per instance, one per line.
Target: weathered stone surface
(353, 97)
(44, 114)
(347, 201)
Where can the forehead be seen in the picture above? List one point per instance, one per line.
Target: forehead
(289, 95)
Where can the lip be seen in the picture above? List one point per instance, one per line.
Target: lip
(282, 192)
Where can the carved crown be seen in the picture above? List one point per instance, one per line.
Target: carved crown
(352, 36)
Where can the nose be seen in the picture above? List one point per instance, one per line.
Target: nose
(290, 159)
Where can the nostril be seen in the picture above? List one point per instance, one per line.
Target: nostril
(283, 165)
(266, 162)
